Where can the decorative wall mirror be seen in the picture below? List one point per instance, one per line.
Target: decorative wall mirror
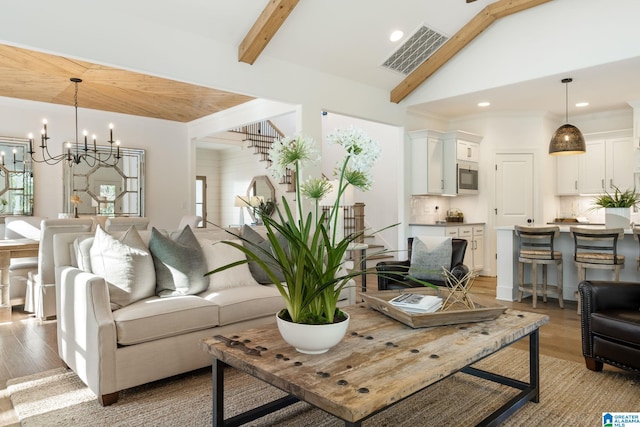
(262, 187)
(16, 177)
(106, 189)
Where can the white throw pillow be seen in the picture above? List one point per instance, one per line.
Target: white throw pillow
(126, 265)
(219, 254)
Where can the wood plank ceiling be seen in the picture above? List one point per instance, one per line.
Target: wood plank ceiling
(42, 77)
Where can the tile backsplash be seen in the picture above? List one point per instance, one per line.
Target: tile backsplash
(428, 209)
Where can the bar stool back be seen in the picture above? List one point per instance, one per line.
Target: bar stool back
(597, 249)
(636, 234)
(536, 248)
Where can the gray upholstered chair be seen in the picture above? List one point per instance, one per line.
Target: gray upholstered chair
(21, 227)
(41, 290)
(122, 223)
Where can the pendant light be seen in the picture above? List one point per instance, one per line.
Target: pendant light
(567, 139)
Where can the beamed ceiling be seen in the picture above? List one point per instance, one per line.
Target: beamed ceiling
(296, 32)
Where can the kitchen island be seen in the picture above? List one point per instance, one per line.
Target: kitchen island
(507, 263)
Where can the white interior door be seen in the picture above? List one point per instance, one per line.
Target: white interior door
(514, 189)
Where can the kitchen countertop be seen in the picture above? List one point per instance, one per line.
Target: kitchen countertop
(447, 224)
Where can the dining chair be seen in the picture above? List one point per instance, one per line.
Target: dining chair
(122, 223)
(41, 289)
(190, 220)
(21, 227)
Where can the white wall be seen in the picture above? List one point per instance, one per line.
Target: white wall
(384, 203)
(168, 169)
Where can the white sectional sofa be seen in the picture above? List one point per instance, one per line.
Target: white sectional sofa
(154, 337)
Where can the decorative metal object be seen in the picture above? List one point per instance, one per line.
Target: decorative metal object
(567, 139)
(73, 153)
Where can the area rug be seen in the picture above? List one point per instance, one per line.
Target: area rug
(571, 395)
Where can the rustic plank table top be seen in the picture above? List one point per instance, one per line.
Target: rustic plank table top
(379, 362)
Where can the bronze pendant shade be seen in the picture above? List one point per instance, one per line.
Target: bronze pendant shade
(567, 139)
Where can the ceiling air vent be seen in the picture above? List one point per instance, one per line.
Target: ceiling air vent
(420, 46)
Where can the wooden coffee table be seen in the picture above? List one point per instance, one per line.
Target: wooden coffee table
(379, 362)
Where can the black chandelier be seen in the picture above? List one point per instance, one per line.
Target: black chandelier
(74, 152)
(3, 164)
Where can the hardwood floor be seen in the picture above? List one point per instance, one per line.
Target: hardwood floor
(29, 346)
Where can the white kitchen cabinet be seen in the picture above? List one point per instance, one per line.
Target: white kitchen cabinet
(427, 162)
(619, 169)
(607, 163)
(467, 151)
(592, 168)
(477, 249)
(458, 146)
(567, 178)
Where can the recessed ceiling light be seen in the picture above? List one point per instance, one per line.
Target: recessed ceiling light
(582, 104)
(396, 35)
(484, 104)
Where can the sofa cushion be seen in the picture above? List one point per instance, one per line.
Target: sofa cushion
(219, 254)
(428, 256)
(156, 318)
(245, 303)
(620, 325)
(82, 249)
(179, 263)
(125, 264)
(256, 238)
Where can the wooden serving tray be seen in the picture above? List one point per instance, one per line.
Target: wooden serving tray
(486, 308)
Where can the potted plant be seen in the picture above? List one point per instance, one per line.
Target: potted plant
(617, 206)
(306, 247)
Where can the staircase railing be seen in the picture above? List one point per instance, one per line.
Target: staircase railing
(261, 136)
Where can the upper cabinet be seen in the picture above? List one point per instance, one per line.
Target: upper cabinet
(427, 162)
(434, 156)
(608, 163)
(467, 151)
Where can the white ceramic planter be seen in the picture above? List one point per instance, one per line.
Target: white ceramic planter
(617, 217)
(312, 339)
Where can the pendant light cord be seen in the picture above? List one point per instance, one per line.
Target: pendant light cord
(566, 105)
(75, 100)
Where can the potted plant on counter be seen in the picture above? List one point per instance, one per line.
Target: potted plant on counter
(617, 206)
(307, 249)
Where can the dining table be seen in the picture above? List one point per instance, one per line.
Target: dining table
(12, 248)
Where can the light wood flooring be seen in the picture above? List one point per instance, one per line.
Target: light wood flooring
(28, 346)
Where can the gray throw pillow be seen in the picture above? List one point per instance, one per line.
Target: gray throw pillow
(179, 263)
(258, 273)
(428, 256)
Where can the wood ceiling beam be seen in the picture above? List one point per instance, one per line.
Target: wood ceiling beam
(455, 44)
(263, 30)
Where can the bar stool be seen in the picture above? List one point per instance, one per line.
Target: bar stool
(598, 249)
(536, 248)
(636, 234)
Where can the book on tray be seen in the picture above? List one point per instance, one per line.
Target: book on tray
(416, 303)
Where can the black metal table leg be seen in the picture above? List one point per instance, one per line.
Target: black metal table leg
(217, 368)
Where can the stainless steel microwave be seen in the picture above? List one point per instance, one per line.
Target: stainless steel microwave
(467, 177)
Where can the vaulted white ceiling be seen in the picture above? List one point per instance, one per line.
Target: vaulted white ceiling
(350, 39)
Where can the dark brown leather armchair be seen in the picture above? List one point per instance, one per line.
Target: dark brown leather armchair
(610, 324)
(393, 274)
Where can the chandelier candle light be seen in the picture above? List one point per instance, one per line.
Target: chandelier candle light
(74, 153)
